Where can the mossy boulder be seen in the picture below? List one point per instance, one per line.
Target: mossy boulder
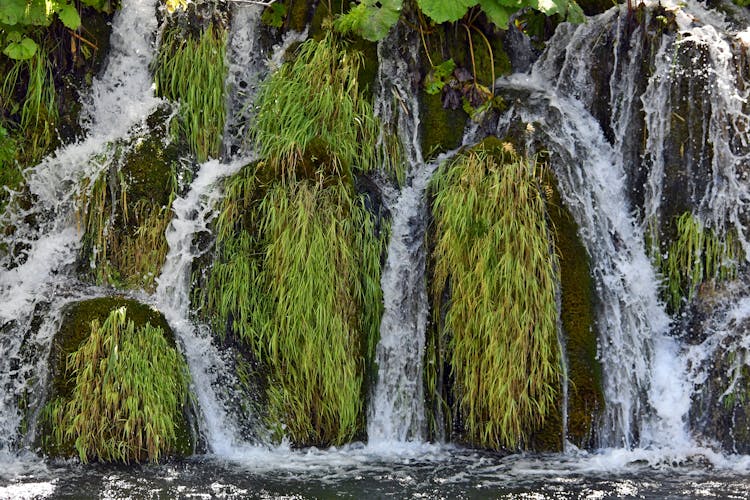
(578, 320)
(142, 392)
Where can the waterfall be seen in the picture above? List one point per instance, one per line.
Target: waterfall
(211, 368)
(192, 215)
(632, 321)
(654, 83)
(396, 410)
(44, 241)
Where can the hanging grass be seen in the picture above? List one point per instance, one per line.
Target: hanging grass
(494, 257)
(296, 273)
(129, 386)
(695, 256)
(36, 109)
(124, 245)
(296, 292)
(191, 72)
(312, 119)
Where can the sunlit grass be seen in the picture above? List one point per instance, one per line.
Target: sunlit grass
(312, 119)
(129, 389)
(695, 256)
(494, 256)
(191, 71)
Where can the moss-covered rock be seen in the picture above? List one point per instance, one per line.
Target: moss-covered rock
(127, 209)
(578, 319)
(80, 321)
(479, 57)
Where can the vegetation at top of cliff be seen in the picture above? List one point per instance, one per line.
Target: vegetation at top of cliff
(129, 387)
(373, 19)
(296, 275)
(312, 118)
(495, 261)
(191, 71)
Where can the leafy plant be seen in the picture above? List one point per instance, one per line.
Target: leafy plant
(439, 77)
(372, 19)
(19, 19)
(123, 238)
(129, 387)
(494, 260)
(274, 14)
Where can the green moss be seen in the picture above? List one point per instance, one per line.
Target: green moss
(10, 173)
(578, 318)
(493, 258)
(119, 386)
(441, 129)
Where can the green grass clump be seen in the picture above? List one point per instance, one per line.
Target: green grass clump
(192, 72)
(696, 255)
(296, 273)
(302, 291)
(29, 106)
(312, 119)
(129, 388)
(494, 256)
(124, 246)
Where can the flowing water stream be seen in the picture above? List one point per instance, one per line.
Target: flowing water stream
(649, 446)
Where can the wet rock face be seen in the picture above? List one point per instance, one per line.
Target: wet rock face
(74, 330)
(717, 328)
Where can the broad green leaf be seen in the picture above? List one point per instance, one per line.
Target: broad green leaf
(69, 16)
(371, 19)
(442, 11)
(12, 11)
(14, 36)
(499, 13)
(36, 13)
(274, 15)
(25, 49)
(575, 13)
(382, 16)
(551, 7)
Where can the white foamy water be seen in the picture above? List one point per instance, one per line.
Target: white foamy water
(46, 238)
(193, 214)
(396, 412)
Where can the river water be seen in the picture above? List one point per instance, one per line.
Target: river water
(420, 472)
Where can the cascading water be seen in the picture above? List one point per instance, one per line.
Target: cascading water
(211, 371)
(610, 129)
(396, 412)
(45, 240)
(192, 216)
(658, 82)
